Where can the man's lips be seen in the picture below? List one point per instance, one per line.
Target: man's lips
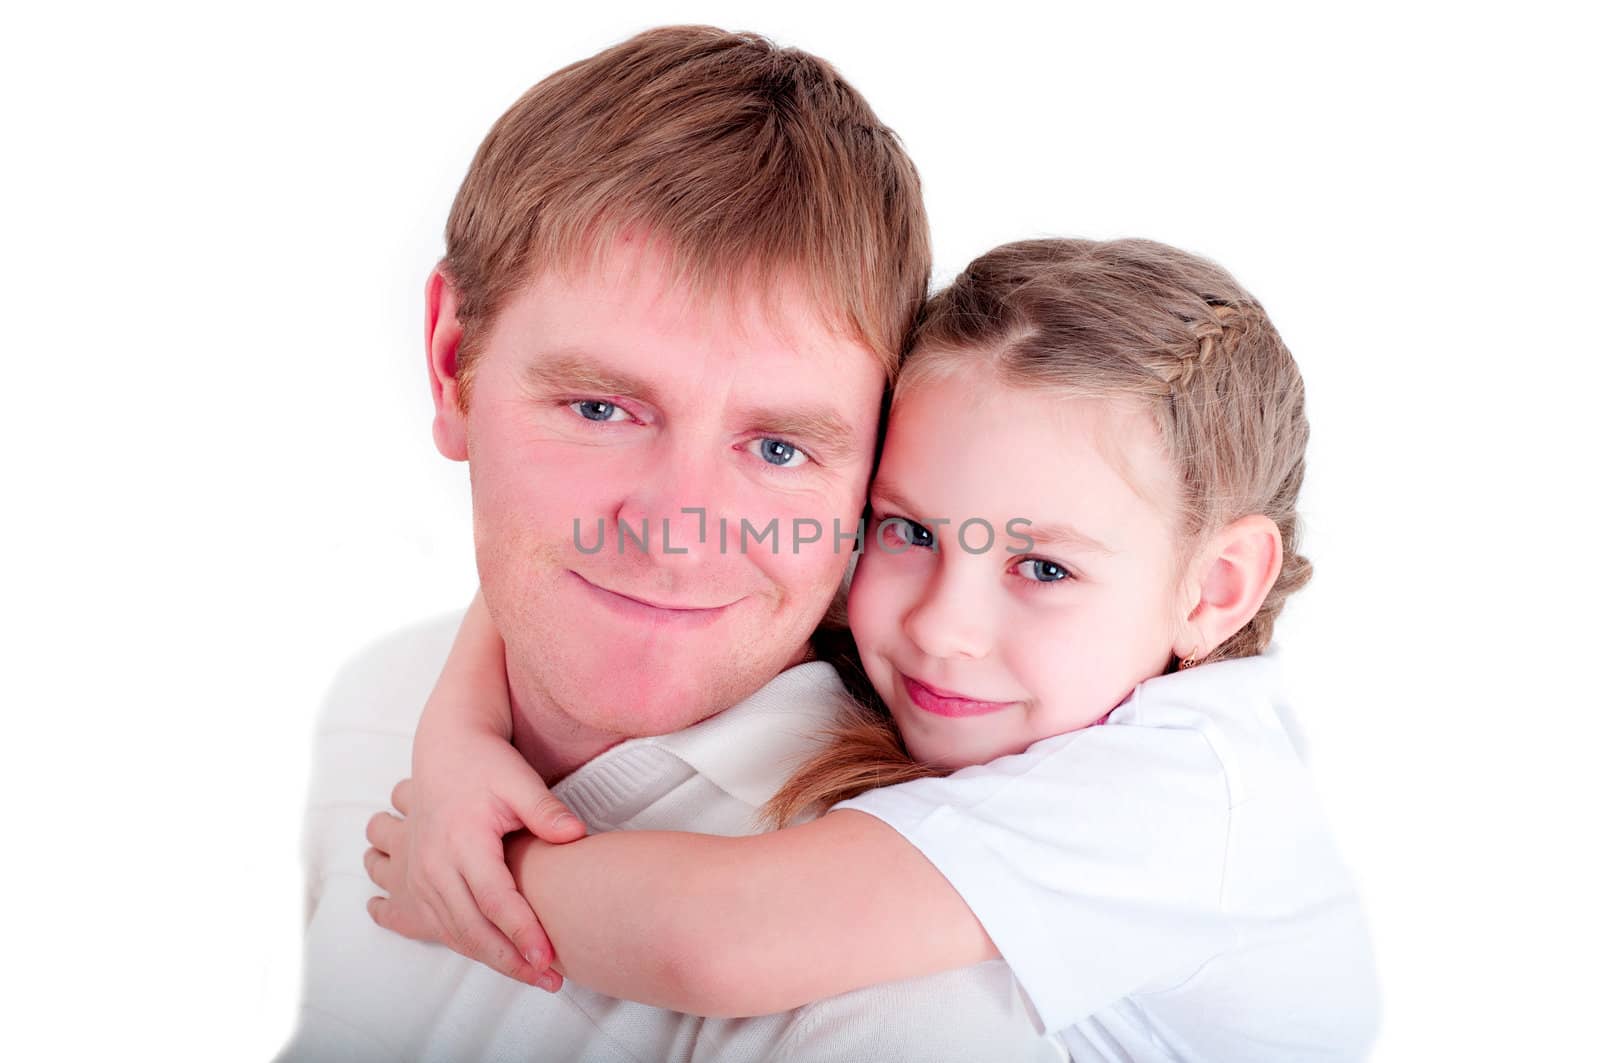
(643, 609)
(946, 702)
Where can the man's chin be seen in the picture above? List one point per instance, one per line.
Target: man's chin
(637, 700)
(625, 672)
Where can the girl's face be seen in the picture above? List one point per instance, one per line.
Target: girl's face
(979, 652)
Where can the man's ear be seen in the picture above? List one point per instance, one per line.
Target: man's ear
(442, 341)
(1235, 571)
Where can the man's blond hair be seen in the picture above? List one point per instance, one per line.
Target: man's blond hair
(748, 161)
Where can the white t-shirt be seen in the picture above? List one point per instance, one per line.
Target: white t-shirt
(370, 995)
(1163, 885)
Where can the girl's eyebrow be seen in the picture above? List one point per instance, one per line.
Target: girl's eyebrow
(1055, 534)
(1065, 535)
(889, 495)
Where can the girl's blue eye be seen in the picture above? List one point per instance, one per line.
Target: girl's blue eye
(783, 455)
(909, 531)
(598, 410)
(1043, 571)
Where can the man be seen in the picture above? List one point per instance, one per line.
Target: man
(676, 282)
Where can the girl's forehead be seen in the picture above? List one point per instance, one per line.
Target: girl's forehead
(1121, 429)
(965, 439)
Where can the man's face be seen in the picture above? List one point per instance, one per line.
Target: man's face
(607, 409)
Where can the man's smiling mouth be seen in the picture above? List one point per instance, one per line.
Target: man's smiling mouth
(644, 609)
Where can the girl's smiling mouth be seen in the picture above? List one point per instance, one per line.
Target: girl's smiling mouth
(947, 703)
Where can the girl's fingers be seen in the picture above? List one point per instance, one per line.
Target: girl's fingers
(508, 911)
(401, 797)
(472, 935)
(390, 916)
(545, 816)
(383, 830)
(378, 867)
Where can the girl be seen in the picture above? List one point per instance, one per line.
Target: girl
(1070, 755)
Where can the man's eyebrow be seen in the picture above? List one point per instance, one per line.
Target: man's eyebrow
(575, 372)
(819, 427)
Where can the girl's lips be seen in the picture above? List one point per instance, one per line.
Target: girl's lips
(944, 703)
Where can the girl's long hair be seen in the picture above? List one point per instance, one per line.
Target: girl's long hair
(1124, 319)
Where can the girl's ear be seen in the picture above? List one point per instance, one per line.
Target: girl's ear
(1235, 571)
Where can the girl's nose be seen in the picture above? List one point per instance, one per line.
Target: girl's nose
(950, 621)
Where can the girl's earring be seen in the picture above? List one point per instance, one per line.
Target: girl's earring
(1188, 662)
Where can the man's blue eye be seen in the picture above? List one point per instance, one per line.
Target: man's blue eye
(784, 455)
(1043, 571)
(596, 410)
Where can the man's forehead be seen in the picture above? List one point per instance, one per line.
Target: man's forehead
(765, 305)
(619, 335)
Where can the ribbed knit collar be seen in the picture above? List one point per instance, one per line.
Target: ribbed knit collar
(747, 750)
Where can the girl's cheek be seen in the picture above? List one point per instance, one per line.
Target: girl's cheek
(858, 581)
(858, 601)
(871, 602)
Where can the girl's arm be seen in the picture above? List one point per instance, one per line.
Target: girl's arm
(471, 788)
(703, 924)
(470, 695)
(729, 927)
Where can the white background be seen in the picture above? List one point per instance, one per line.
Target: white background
(220, 481)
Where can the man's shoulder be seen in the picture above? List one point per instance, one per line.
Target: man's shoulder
(976, 1012)
(362, 746)
(383, 685)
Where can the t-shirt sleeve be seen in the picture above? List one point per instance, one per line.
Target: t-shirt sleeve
(1093, 860)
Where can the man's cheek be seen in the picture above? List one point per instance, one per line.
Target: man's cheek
(807, 570)
(545, 503)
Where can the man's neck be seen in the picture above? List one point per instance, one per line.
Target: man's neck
(548, 739)
(554, 743)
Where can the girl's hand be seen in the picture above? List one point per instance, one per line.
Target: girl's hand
(388, 863)
(444, 865)
(469, 789)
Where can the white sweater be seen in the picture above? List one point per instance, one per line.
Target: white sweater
(373, 995)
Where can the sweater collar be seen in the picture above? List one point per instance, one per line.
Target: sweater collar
(751, 749)
(748, 750)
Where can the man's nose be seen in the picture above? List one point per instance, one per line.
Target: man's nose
(676, 508)
(953, 618)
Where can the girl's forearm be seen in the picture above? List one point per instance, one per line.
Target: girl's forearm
(728, 927)
(623, 912)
